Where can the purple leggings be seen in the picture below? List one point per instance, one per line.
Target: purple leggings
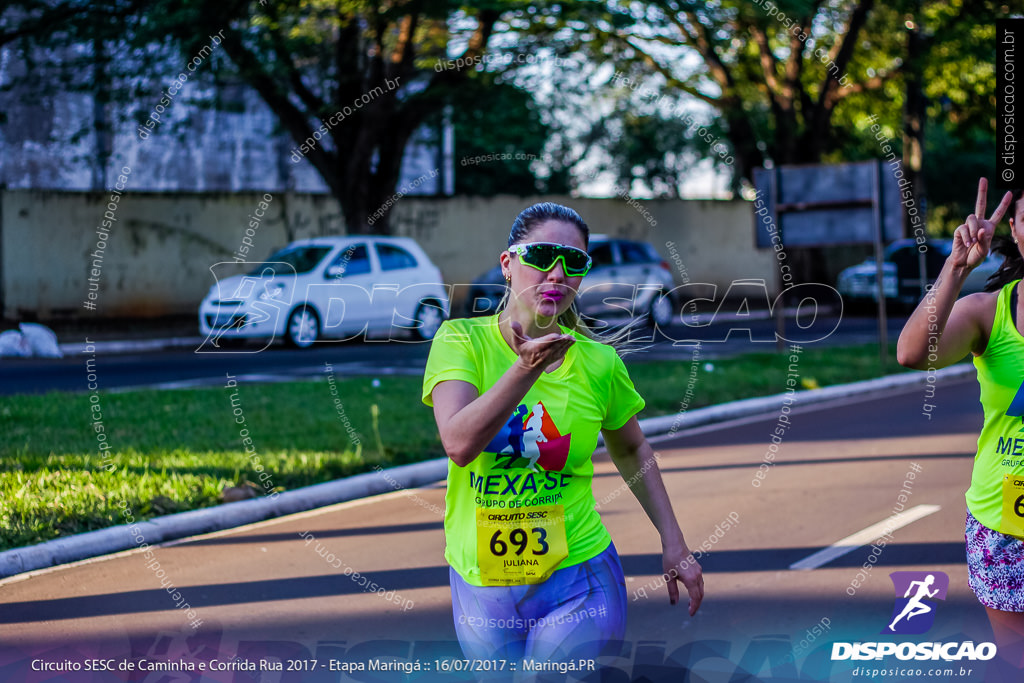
(573, 614)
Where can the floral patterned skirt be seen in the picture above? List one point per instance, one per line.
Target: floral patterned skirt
(995, 564)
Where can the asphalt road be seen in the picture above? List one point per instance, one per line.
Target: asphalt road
(184, 367)
(264, 593)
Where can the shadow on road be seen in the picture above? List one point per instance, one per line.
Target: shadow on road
(332, 585)
(805, 461)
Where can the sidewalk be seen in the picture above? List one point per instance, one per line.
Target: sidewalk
(174, 333)
(229, 515)
(119, 335)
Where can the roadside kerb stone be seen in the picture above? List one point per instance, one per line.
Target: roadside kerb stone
(226, 516)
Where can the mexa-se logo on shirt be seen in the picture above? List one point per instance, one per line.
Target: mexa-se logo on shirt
(530, 439)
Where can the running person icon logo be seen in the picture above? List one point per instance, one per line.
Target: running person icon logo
(1016, 408)
(912, 614)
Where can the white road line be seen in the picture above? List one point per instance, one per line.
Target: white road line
(864, 536)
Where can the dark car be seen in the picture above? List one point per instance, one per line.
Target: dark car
(627, 280)
(901, 274)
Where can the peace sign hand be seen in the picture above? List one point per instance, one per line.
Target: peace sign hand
(971, 241)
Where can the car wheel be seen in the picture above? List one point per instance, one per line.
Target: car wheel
(303, 328)
(660, 311)
(429, 316)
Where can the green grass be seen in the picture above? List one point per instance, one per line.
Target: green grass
(177, 450)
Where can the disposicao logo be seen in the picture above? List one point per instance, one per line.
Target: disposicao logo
(914, 613)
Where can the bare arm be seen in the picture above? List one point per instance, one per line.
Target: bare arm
(943, 330)
(467, 421)
(634, 458)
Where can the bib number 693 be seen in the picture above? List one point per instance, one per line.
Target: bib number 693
(520, 538)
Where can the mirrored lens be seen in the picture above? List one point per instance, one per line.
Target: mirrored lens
(543, 256)
(574, 259)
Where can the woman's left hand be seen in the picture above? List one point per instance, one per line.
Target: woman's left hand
(680, 565)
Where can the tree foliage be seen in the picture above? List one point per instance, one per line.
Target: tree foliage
(773, 76)
(350, 81)
(785, 82)
(499, 136)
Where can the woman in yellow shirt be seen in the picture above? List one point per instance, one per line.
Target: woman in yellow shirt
(990, 326)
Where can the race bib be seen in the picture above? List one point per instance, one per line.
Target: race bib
(520, 546)
(1013, 506)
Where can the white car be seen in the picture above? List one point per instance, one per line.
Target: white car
(329, 287)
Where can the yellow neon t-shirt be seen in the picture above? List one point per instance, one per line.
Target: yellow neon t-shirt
(1000, 456)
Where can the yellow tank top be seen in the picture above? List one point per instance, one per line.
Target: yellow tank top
(993, 498)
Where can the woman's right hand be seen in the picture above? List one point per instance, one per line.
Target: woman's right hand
(971, 241)
(542, 351)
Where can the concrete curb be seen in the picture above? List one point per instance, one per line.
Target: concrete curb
(229, 515)
(127, 346)
(226, 516)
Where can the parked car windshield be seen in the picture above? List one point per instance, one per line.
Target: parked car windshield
(634, 252)
(302, 259)
(601, 254)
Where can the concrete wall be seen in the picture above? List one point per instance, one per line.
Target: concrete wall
(214, 136)
(157, 255)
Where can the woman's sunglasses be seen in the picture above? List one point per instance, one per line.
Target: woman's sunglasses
(544, 255)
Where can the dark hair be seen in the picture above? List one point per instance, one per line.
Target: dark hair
(1013, 263)
(531, 217)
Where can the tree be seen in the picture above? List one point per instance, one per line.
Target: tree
(941, 112)
(350, 81)
(774, 75)
(498, 136)
(29, 21)
(959, 88)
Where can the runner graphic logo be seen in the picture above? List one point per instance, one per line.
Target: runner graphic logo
(914, 612)
(1016, 408)
(531, 439)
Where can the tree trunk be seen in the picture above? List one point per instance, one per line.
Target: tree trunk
(914, 121)
(744, 143)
